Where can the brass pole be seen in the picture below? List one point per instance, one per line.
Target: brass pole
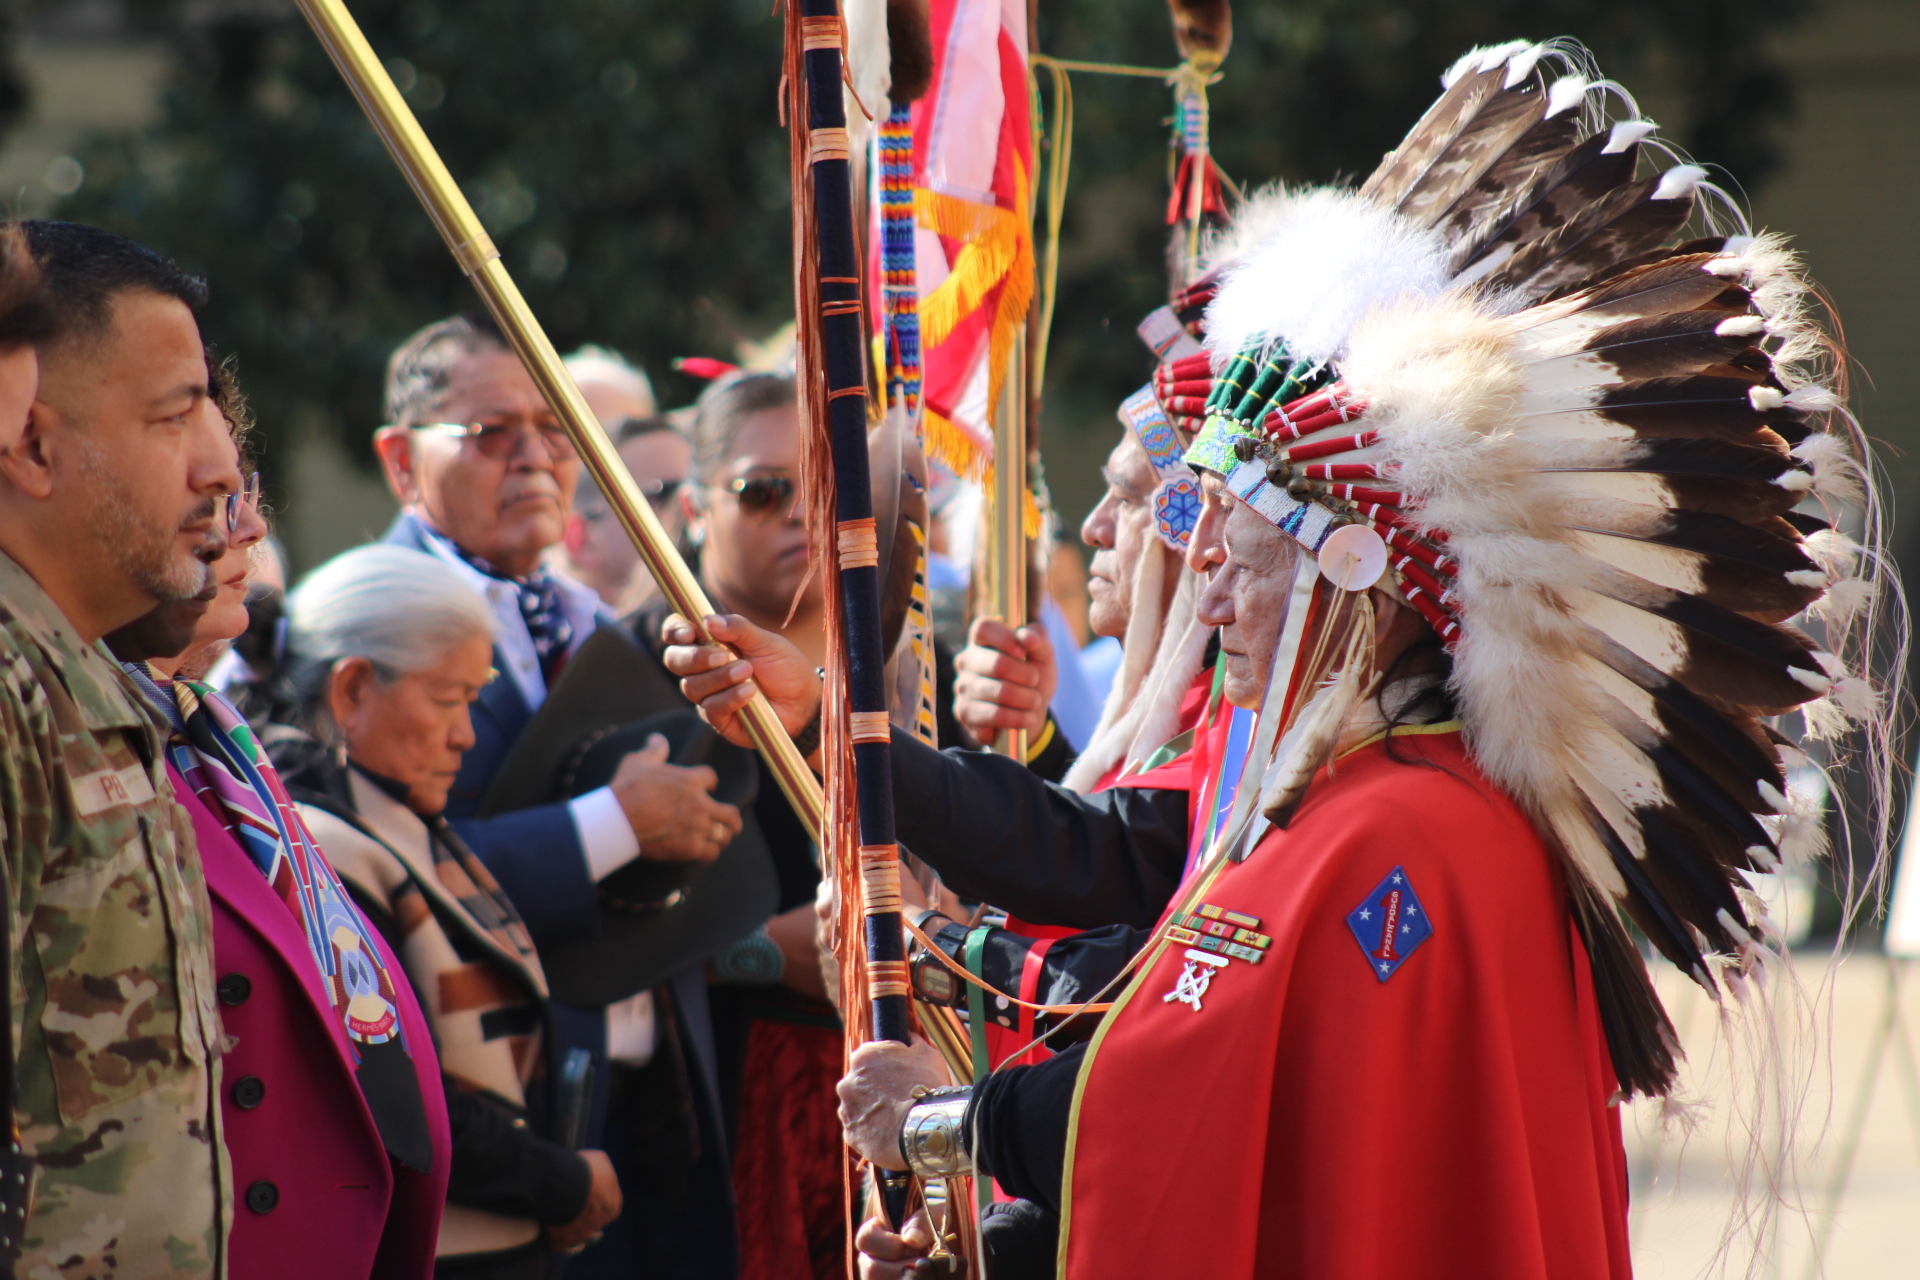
(473, 249)
(1008, 558)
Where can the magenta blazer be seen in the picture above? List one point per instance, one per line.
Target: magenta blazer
(316, 1197)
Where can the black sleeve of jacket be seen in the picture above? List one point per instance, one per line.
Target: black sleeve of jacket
(1082, 968)
(1052, 763)
(998, 833)
(1075, 969)
(1018, 1125)
(500, 1165)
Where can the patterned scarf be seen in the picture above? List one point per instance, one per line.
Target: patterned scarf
(216, 752)
(463, 876)
(539, 601)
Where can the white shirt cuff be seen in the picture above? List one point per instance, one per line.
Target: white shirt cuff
(605, 835)
(630, 1030)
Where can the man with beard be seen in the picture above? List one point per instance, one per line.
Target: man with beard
(110, 498)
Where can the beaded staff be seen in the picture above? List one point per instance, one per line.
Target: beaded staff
(1203, 30)
(900, 348)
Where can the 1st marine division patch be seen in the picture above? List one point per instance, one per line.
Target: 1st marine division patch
(1390, 924)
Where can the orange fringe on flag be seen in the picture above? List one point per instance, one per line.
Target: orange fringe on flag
(996, 253)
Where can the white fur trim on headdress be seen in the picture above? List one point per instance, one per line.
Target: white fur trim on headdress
(1331, 258)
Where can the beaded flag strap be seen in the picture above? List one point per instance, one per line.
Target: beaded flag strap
(919, 631)
(899, 294)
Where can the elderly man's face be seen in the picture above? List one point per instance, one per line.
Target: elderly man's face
(1119, 531)
(1208, 546)
(1246, 597)
(506, 509)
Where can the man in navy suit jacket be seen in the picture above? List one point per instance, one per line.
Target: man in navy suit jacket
(485, 476)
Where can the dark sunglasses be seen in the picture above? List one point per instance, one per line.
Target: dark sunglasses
(247, 499)
(760, 494)
(498, 442)
(659, 496)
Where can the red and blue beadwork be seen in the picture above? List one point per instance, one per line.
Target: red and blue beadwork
(899, 291)
(1176, 498)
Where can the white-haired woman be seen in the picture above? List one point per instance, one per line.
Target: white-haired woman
(393, 647)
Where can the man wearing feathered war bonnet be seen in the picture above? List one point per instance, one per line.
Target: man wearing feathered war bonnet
(1549, 494)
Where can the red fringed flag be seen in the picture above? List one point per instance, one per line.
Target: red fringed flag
(973, 152)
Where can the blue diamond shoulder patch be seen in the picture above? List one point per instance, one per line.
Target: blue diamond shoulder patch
(1390, 925)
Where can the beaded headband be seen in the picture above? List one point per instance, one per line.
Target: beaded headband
(1176, 498)
(1278, 432)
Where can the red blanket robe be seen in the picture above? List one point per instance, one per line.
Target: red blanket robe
(1412, 1081)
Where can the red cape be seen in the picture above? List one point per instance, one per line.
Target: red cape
(1311, 1119)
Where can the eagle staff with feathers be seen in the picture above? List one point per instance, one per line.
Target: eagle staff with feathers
(1545, 549)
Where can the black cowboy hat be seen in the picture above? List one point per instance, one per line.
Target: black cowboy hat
(655, 917)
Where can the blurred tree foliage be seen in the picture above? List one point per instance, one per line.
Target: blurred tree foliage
(627, 157)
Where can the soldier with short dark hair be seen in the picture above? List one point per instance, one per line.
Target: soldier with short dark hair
(114, 461)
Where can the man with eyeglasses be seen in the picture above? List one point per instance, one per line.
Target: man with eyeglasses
(486, 476)
(595, 550)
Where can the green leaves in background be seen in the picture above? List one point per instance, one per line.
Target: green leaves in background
(628, 158)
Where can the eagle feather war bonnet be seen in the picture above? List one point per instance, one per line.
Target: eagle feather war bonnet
(1612, 470)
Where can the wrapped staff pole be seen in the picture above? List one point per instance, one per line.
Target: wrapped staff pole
(833, 403)
(473, 249)
(834, 400)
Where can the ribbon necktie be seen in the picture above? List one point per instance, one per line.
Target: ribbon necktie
(539, 601)
(216, 752)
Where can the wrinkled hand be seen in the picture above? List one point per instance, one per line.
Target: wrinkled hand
(877, 1092)
(1004, 679)
(603, 1206)
(886, 1254)
(669, 808)
(721, 680)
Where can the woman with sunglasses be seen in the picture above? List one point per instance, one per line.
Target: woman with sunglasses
(777, 1037)
(595, 549)
(335, 1123)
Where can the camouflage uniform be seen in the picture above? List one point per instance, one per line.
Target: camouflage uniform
(115, 1027)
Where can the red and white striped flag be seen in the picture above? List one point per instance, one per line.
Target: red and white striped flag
(973, 149)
